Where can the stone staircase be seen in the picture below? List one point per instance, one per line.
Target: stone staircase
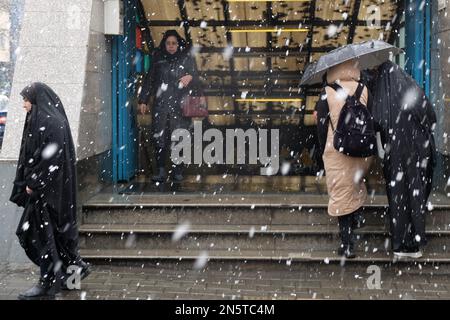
(279, 228)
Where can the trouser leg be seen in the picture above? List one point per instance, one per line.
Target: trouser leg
(50, 265)
(399, 214)
(419, 186)
(160, 135)
(177, 121)
(346, 229)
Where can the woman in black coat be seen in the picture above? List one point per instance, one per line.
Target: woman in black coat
(406, 121)
(45, 185)
(171, 77)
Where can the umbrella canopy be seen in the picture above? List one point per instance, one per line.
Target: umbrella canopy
(368, 53)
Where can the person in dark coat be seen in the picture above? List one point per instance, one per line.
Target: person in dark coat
(406, 121)
(45, 185)
(171, 77)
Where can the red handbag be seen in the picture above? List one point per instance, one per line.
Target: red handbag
(194, 107)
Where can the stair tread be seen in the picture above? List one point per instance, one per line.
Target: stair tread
(317, 256)
(216, 200)
(257, 229)
(232, 200)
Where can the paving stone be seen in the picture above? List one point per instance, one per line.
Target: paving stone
(218, 282)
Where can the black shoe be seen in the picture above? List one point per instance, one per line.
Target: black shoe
(347, 251)
(85, 271)
(414, 253)
(41, 291)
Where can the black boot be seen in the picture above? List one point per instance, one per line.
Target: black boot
(161, 176)
(42, 291)
(84, 270)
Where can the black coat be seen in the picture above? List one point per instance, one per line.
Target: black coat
(406, 120)
(163, 79)
(163, 83)
(47, 166)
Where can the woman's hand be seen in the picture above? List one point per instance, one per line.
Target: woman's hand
(186, 80)
(143, 108)
(29, 191)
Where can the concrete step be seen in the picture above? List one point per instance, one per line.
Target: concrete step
(286, 256)
(238, 216)
(310, 240)
(240, 229)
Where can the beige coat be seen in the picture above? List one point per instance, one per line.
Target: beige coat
(344, 175)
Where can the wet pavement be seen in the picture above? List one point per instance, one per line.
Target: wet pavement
(233, 281)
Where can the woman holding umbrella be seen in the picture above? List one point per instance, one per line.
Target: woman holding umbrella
(344, 174)
(407, 120)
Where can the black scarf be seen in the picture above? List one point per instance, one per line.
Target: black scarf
(47, 115)
(164, 54)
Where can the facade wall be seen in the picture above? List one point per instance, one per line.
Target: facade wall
(440, 74)
(61, 44)
(95, 129)
(439, 91)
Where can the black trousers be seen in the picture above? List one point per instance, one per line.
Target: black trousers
(167, 117)
(347, 225)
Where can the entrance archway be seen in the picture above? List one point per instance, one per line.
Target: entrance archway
(250, 56)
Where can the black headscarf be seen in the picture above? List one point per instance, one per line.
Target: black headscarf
(46, 108)
(40, 94)
(45, 125)
(182, 46)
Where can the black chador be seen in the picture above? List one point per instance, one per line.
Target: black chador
(48, 228)
(406, 119)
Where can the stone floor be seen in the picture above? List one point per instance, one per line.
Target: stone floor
(229, 281)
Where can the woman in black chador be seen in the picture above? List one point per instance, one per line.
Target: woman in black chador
(45, 185)
(171, 77)
(406, 119)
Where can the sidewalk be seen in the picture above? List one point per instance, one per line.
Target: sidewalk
(169, 280)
